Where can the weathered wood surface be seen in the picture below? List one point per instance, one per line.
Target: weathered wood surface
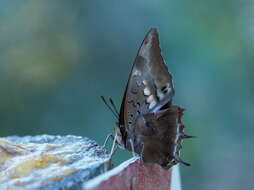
(47, 162)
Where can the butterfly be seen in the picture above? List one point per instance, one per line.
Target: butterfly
(148, 123)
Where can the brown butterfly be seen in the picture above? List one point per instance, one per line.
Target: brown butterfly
(149, 124)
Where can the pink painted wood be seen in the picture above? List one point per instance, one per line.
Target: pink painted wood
(132, 175)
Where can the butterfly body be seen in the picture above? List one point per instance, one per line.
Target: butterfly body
(149, 124)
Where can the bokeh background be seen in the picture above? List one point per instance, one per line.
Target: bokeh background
(57, 58)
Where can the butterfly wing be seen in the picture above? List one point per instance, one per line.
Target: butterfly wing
(149, 124)
(150, 84)
(160, 134)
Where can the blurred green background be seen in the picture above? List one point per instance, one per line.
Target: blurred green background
(58, 56)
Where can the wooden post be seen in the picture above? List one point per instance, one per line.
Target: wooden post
(135, 175)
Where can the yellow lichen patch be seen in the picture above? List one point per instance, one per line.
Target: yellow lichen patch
(3, 156)
(28, 166)
(65, 172)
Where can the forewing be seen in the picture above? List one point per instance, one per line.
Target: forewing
(150, 84)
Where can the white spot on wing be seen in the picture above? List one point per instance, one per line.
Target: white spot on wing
(152, 104)
(147, 92)
(136, 72)
(152, 101)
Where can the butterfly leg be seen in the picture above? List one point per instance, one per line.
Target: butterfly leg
(114, 147)
(110, 136)
(132, 147)
(142, 150)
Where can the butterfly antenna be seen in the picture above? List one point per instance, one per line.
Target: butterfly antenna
(110, 108)
(114, 106)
